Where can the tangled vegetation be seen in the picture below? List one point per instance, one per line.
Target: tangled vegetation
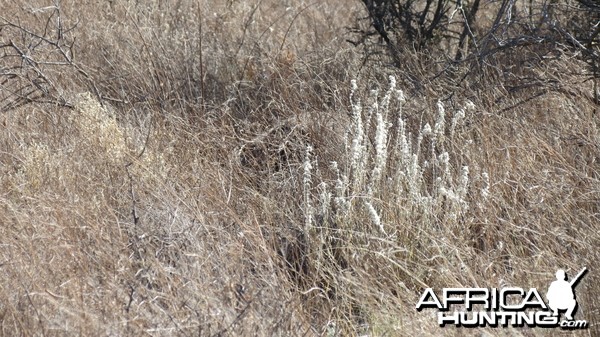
(282, 168)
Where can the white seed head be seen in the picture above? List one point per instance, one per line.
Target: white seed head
(426, 130)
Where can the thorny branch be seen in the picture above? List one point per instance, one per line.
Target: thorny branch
(32, 61)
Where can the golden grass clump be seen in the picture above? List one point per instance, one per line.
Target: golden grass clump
(37, 166)
(99, 132)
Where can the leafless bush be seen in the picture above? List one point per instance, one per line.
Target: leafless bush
(466, 41)
(36, 56)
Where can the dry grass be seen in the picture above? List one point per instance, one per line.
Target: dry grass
(167, 189)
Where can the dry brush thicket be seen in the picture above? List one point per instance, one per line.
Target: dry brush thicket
(237, 168)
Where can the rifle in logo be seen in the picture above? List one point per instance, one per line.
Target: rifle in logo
(578, 277)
